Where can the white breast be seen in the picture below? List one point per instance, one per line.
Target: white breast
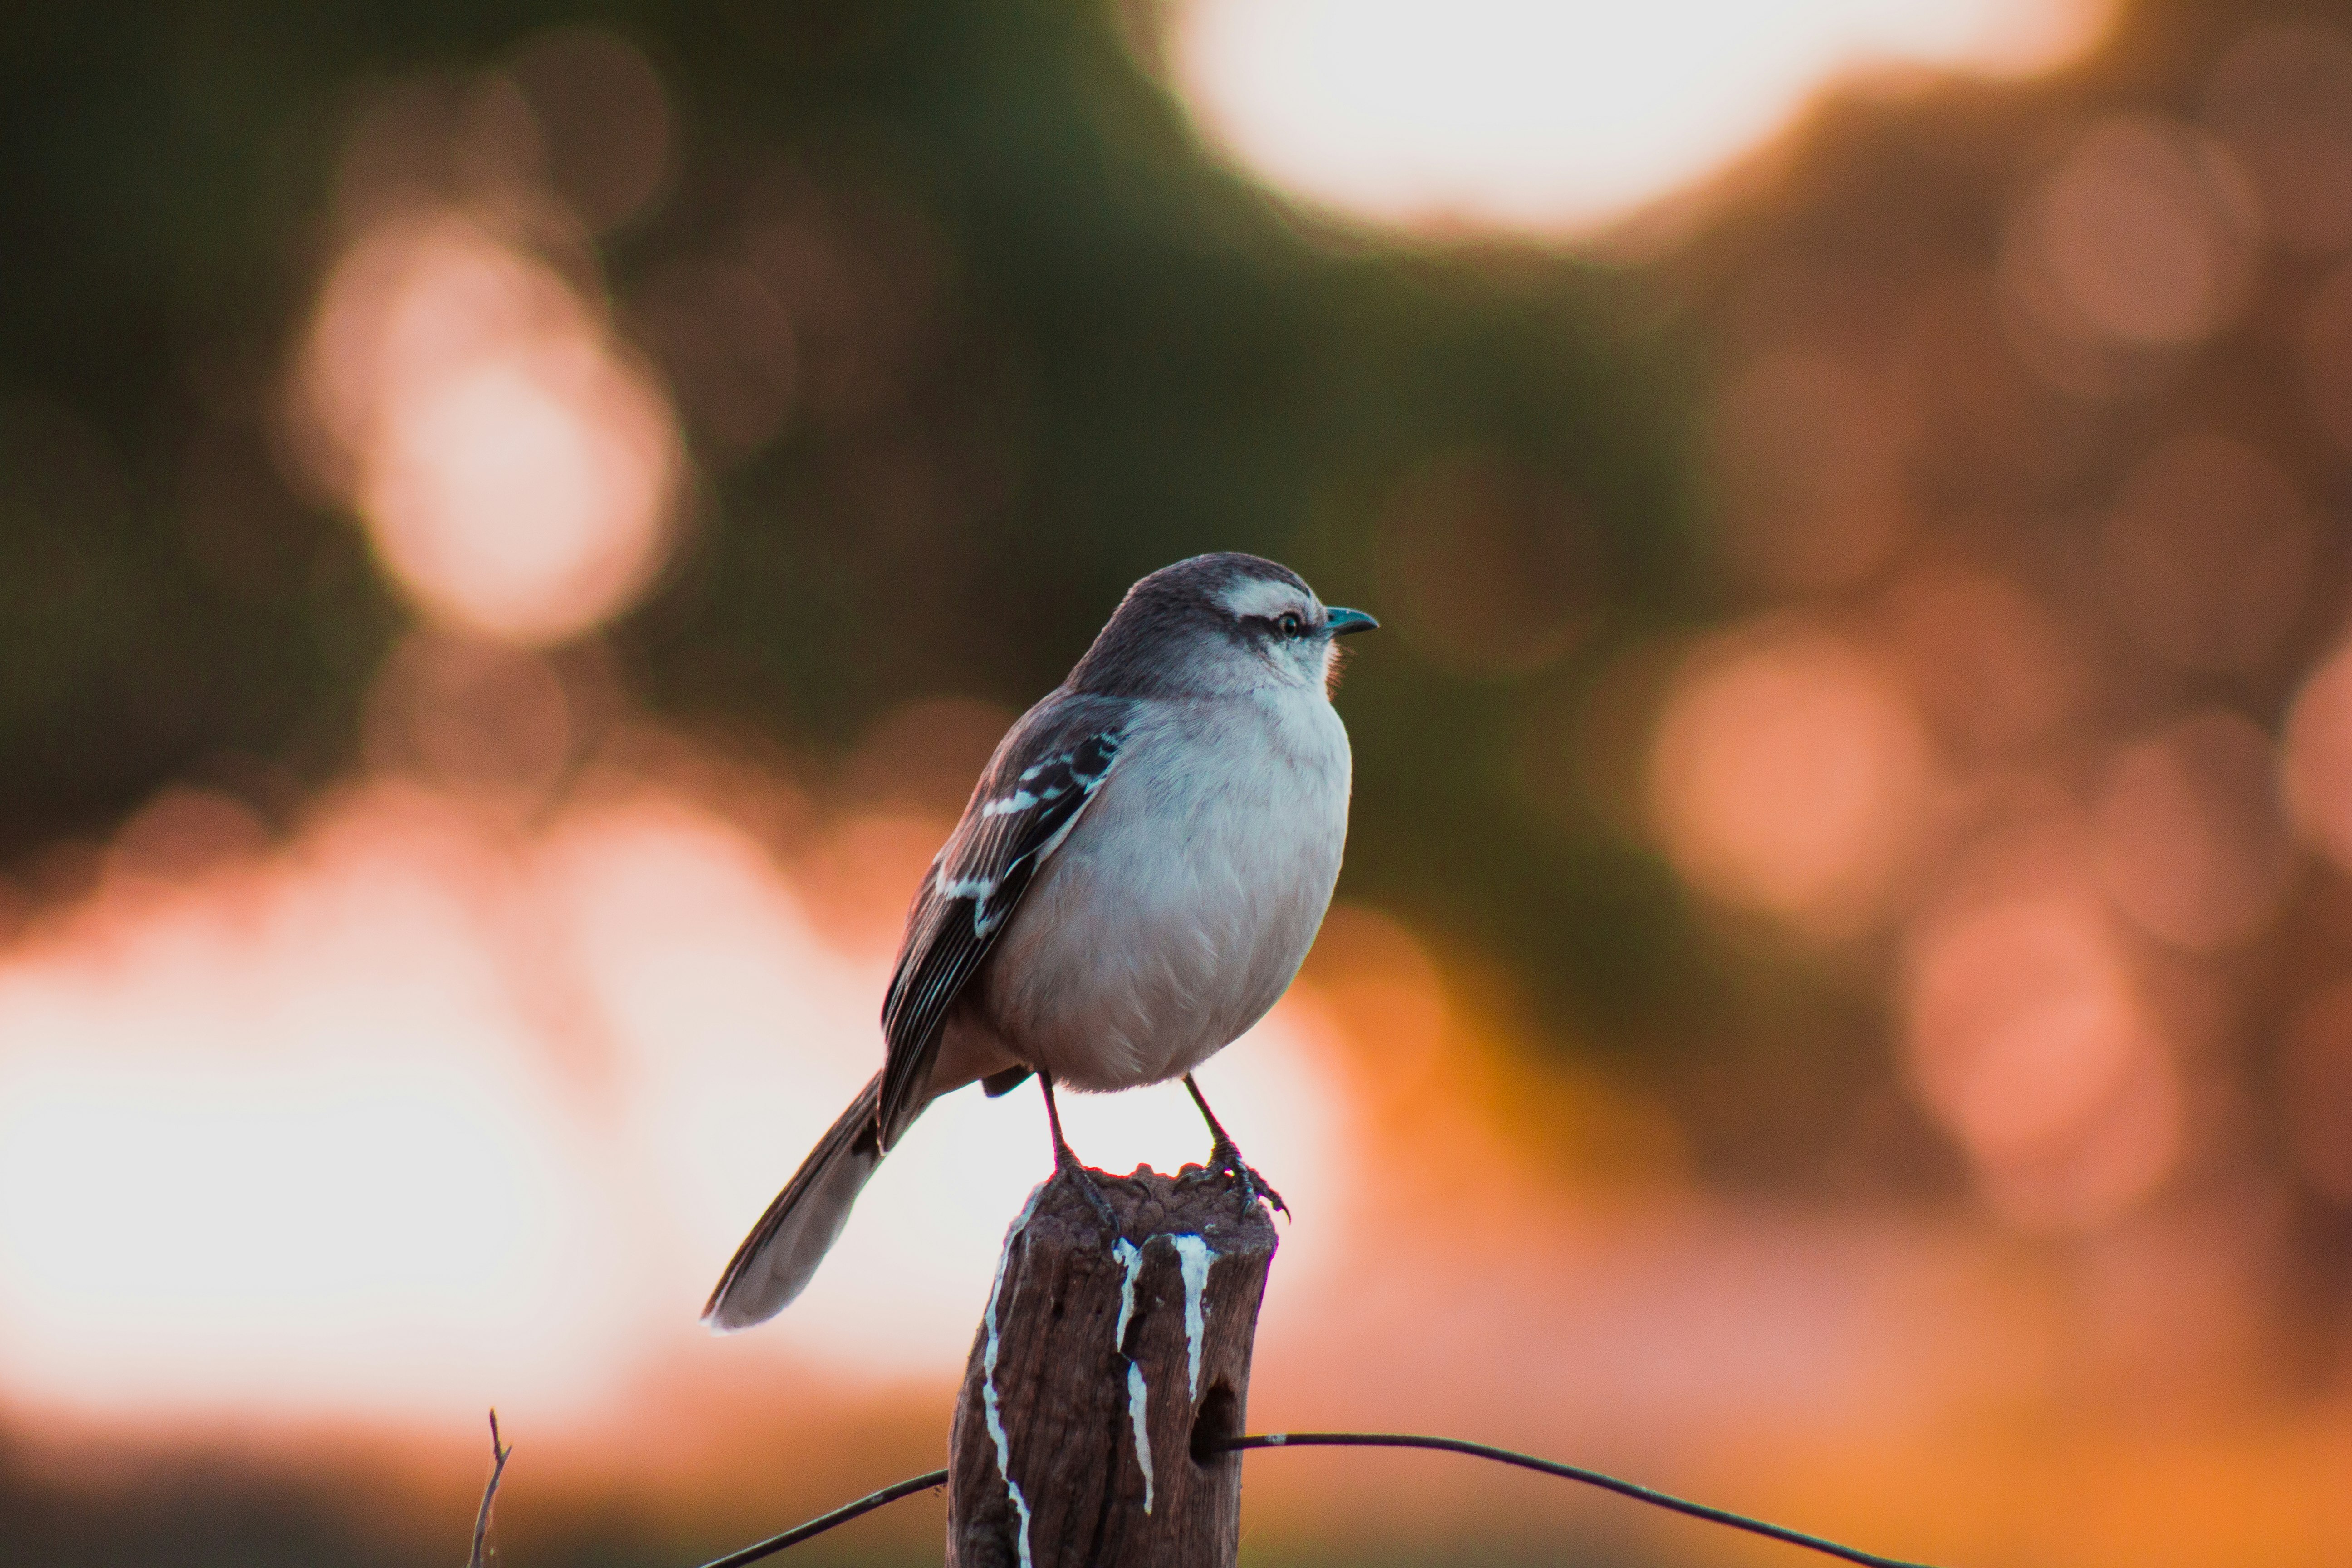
(1181, 908)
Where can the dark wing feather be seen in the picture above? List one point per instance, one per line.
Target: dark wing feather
(1035, 788)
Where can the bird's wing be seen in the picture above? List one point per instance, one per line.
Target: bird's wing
(1035, 788)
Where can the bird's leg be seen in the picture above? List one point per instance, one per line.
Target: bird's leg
(1226, 1157)
(1066, 1159)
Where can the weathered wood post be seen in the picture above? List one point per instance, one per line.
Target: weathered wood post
(1100, 1363)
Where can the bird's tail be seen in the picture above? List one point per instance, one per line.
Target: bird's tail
(777, 1260)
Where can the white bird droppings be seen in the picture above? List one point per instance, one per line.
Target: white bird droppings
(1138, 1412)
(1131, 1258)
(991, 1413)
(1193, 1256)
(1138, 1394)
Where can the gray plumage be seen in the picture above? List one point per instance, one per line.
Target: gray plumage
(1134, 882)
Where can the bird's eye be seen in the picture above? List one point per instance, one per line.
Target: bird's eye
(1290, 624)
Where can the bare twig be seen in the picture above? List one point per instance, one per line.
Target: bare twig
(499, 1457)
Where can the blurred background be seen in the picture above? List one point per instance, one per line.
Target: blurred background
(518, 523)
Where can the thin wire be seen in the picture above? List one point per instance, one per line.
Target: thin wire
(823, 1522)
(1367, 1441)
(1552, 1467)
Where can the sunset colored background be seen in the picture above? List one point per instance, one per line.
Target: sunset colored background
(519, 524)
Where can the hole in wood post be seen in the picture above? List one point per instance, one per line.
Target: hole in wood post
(1219, 1421)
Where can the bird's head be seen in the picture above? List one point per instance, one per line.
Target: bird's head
(1224, 622)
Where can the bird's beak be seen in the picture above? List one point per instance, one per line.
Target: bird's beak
(1340, 623)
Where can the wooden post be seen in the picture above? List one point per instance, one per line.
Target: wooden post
(1100, 1361)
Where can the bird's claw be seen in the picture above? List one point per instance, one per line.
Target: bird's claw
(1066, 1164)
(1226, 1160)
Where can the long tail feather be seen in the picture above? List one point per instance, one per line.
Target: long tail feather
(780, 1257)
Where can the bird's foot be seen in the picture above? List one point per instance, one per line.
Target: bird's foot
(1065, 1160)
(1067, 1168)
(1226, 1160)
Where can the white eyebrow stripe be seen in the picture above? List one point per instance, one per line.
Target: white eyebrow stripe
(1264, 597)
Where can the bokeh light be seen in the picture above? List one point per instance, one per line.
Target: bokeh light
(1789, 774)
(2032, 1043)
(1555, 118)
(518, 477)
(2318, 768)
(2141, 240)
(1993, 669)
(2192, 842)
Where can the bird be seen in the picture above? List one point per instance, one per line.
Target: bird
(1136, 879)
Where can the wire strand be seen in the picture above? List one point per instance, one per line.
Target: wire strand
(823, 1522)
(1638, 1492)
(1633, 1489)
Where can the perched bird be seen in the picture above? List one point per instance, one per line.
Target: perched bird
(1136, 879)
